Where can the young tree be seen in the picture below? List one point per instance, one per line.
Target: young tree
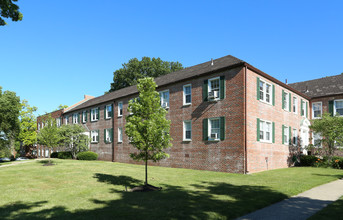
(49, 135)
(62, 107)
(74, 139)
(129, 74)
(147, 126)
(9, 10)
(27, 134)
(330, 129)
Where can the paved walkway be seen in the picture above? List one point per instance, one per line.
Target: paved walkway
(301, 206)
(16, 163)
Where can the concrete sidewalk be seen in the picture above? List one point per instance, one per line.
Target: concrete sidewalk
(301, 206)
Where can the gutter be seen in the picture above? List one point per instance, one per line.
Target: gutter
(245, 121)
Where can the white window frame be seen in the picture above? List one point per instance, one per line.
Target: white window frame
(66, 119)
(285, 133)
(94, 112)
(38, 126)
(295, 105)
(106, 111)
(295, 137)
(184, 130)
(210, 87)
(263, 98)
(286, 105)
(120, 108)
(185, 95)
(210, 129)
(84, 116)
(303, 108)
(95, 133)
(162, 99)
(334, 106)
(264, 139)
(321, 110)
(313, 134)
(108, 135)
(75, 118)
(120, 135)
(58, 122)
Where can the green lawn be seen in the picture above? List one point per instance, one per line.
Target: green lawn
(95, 190)
(332, 211)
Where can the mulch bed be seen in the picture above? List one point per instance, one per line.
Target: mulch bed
(48, 164)
(145, 188)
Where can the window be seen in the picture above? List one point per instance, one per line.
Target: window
(265, 92)
(58, 122)
(317, 110)
(120, 109)
(164, 98)
(187, 130)
(75, 118)
(84, 116)
(286, 134)
(108, 133)
(66, 119)
(285, 100)
(214, 88)
(338, 107)
(108, 113)
(38, 126)
(295, 137)
(302, 108)
(316, 139)
(95, 136)
(295, 105)
(214, 129)
(265, 131)
(187, 94)
(120, 135)
(94, 114)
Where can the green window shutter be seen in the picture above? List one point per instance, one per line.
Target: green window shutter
(97, 138)
(283, 98)
(205, 90)
(86, 116)
(258, 129)
(112, 110)
(290, 102)
(331, 107)
(105, 136)
(205, 129)
(290, 135)
(79, 116)
(222, 87)
(301, 108)
(105, 112)
(258, 89)
(273, 89)
(90, 115)
(222, 128)
(111, 132)
(283, 137)
(306, 110)
(273, 130)
(98, 113)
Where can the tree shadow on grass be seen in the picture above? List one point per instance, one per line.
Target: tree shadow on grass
(336, 176)
(207, 200)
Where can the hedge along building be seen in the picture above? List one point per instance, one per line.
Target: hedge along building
(226, 115)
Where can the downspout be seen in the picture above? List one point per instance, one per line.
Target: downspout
(245, 122)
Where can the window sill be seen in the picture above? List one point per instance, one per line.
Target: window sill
(266, 142)
(94, 120)
(108, 142)
(94, 142)
(214, 100)
(214, 140)
(317, 118)
(120, 116)
(187, 140)
(120, 142)
(187, 104)
(108, 118)
(268, 103)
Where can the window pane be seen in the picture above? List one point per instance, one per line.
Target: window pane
(215, 85)
(188, 99)
(188, 134)
(261, 90)
(339, 104)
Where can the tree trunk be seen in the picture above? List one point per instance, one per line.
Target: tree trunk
(146, 170)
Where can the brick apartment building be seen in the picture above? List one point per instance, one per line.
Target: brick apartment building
(226, 115)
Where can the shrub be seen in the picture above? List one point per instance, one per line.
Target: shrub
(308, 160)
(65, 155)
(54, 155)
(87, 155)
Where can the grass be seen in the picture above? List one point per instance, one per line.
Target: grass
(96, 190)
(332, 211)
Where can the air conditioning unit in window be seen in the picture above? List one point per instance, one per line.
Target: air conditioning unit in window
(165, 105)
(214, 136)
(213, 95)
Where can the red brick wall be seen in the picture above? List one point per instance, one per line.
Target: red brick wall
(278, 154)
(224, 156)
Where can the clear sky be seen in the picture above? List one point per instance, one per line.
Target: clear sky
(64, 49)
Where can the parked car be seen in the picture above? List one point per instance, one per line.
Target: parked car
(5, 159)
(22, 158)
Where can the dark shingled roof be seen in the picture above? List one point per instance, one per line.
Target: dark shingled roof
(331, 85)
(193, 71)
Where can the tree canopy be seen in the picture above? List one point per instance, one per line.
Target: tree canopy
(28, 126)
(136, 69)
(9, 116)
(9, 10)
(330, 128)
(62, 107)
(147, 126)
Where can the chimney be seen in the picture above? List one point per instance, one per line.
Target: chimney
(286, 82)
(211, 61)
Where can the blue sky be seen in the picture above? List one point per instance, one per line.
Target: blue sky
(64, 49)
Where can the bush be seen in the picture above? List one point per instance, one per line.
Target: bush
(54, 155)
(308, 160)
(65, 155)
(87, 155)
